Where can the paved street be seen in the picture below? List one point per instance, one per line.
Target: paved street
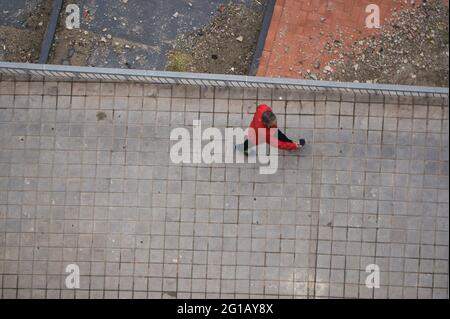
(86, 179)
(150, 26)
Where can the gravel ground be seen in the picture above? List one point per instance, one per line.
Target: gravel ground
(22, 30)
(226, 45)
(412, 49)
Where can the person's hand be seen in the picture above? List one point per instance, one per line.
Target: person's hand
(298, 145)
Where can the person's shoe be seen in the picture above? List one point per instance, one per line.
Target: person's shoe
(302, 142)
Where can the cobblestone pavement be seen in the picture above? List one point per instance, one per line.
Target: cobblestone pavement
(86, 179)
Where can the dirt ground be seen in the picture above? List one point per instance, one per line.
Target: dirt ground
(23, 44)
(225, 46)
(413, 49)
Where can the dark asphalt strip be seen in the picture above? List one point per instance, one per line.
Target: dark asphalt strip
(262, 37)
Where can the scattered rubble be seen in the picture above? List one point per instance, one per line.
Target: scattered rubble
(85, 48)
(412, 49)
(226, 45)
(23, 44)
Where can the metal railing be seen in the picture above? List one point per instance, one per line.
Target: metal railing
(213, 80)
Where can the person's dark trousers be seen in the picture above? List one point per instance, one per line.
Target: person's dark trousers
(246, 146)
(281, 137)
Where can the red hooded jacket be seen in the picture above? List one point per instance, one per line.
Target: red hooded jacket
(257, 123)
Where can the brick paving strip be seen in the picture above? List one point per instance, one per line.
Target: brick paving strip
(77, 187)
(300, 30)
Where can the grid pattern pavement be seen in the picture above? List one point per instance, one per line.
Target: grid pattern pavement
(86, 179)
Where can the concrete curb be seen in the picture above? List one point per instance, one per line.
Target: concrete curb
(63, 72)
(47, 42)
(262, 37)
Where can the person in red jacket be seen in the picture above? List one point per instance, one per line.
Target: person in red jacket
(266, 120)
